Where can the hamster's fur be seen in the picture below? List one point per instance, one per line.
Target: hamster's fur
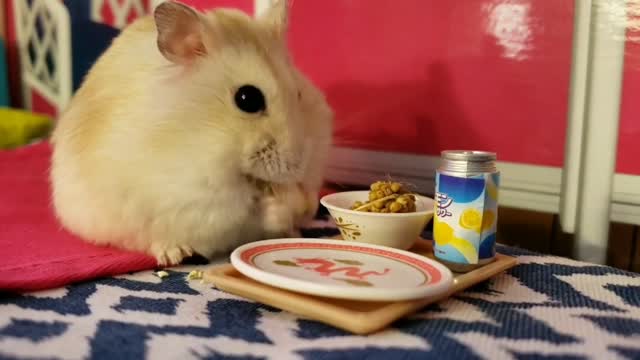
(153, 154)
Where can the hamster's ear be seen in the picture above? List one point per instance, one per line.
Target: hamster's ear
(180, 32)
(277, 16)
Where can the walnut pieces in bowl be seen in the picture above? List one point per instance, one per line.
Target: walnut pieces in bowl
(387, 197)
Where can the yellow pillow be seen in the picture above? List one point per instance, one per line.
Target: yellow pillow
(19, 127)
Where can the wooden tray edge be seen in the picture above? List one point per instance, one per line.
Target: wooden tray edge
(307, 306)
(317, 308)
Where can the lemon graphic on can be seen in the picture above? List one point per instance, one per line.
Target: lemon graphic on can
(444, 231)
(472, 219)
(446, 236)
(488, 218)
(492, 189)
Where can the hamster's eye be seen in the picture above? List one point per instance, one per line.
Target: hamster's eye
(299, 95)
(250, 99)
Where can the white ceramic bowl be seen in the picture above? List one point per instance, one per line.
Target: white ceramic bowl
(399, 231)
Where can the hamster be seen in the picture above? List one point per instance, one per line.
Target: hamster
(163, 147)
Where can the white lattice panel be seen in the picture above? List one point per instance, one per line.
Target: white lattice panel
(121, 10)
(44, 42)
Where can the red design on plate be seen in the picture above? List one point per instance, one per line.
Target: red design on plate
(327, 267)
(432, 272)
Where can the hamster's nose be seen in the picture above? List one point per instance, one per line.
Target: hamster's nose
(266, 147)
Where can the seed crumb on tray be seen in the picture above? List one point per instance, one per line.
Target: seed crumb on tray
(195, 275)
(161, 274)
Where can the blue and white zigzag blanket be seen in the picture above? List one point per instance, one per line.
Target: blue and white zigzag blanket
(545, 308)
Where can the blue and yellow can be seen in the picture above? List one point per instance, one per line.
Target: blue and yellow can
(466, 209)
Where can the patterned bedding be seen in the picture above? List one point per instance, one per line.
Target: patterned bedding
(545, 308)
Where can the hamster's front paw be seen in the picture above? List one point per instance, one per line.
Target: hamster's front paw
(312, 203)
(169, 256)
(277, 218)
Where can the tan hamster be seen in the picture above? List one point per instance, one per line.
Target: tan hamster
(162, 146)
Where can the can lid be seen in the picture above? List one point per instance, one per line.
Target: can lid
(469, 155)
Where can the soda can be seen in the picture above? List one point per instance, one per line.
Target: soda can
(466, 209)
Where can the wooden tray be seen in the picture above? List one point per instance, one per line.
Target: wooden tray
(359, 317)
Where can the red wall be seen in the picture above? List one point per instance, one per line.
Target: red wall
(629, 134)
(421, 76)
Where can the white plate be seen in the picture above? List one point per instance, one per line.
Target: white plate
(342, 269)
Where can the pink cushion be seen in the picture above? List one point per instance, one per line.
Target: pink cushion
(36, 252)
